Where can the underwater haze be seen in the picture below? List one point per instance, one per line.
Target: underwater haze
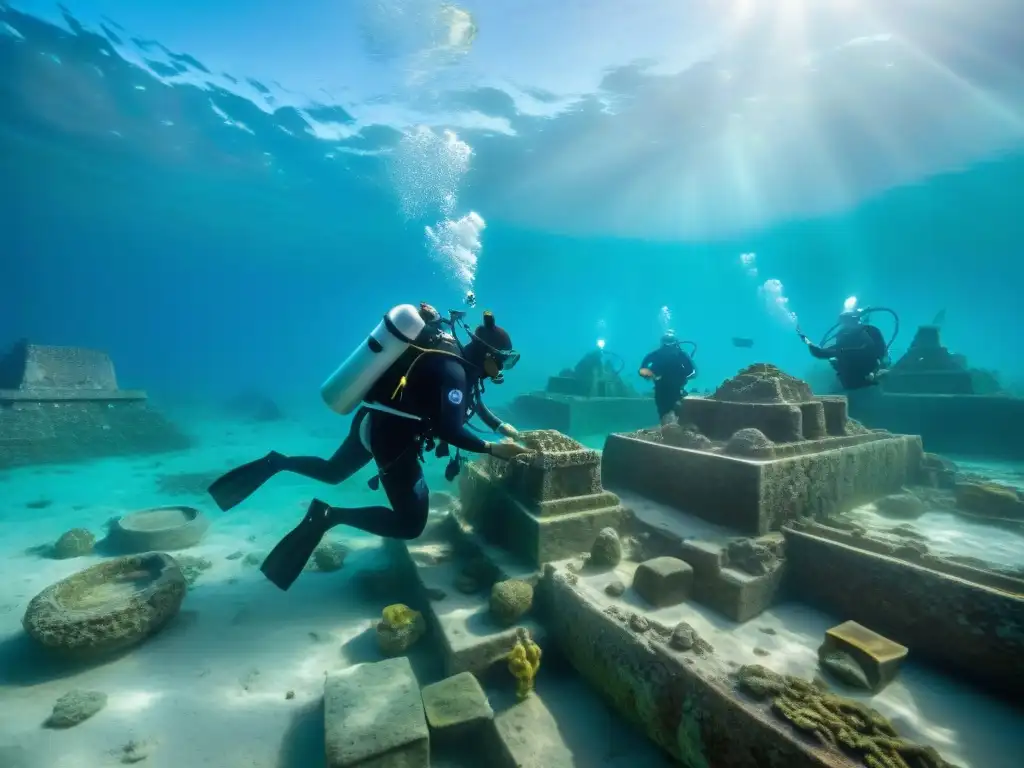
(226, 197)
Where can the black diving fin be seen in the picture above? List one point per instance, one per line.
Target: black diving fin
(286, 561)
(234, 487)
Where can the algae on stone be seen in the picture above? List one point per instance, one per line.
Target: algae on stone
(836, 722)
(399, 628)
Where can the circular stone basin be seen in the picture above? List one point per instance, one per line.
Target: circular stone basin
(108, 607)
(159, 529)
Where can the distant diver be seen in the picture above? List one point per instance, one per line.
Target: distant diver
(856, 349)
(413, 383)
(669, 367)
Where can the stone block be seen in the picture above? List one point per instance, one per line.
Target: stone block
(757, 496)
(737, 595)
(456, 708)
(663, 581)
(373, 717)
(878, 657)
(33, 367)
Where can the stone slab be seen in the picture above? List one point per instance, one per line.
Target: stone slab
(690, 711)
(979, 425)
(755, 497)
(39, 366)
(584, 415)
(975, 632)
(529, 737)
(373, 717)
(456, 708)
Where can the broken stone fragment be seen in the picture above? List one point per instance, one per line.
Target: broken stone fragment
(74, 543)
(663, 581)
(75, 707)
(750, 556)
(607, 549)
(615, 588)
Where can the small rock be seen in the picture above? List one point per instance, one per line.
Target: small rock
(436, 594)
(75, 543)
(768, 631)
(572, 579)
(510, 600)
(615, 588)
(638, 623)
(760, 652)
(253, 558)
(903, 506)
(75, 707)
(574, 567)
(134, 752)
(750, 556)
(395, 639)
(235, 555)
(290, 695)
(330, 556)
(683, 637)
(607, 549)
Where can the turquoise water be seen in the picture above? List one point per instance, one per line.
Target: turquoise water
(225, 197)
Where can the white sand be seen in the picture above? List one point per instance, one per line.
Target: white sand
(211, 689)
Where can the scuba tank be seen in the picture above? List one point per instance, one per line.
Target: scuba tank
(346, 388)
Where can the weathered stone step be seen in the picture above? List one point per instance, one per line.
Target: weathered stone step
(470, 640)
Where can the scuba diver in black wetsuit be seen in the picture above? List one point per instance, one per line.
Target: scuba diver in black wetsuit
(856, 349)
(416, 384)
(670, 368)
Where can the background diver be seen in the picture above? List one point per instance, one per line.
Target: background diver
(669, 367)
(412, 383)
(856, 349)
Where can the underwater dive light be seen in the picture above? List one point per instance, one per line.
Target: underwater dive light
(600, 343)
(850, 304)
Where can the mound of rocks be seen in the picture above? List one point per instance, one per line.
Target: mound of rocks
(750, 443)
(763, 383)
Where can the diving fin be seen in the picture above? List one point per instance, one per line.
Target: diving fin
(234, 487)
(286, 561)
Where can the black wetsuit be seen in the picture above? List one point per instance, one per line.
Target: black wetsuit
(441, 394)
(672, 368)
(856, 354)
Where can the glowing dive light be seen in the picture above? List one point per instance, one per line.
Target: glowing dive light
(600, 343)
(850, 304)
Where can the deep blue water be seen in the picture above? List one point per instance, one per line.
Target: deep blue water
(208, 258)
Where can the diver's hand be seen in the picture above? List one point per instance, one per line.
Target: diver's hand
(803, 337)
(507, 430)
(506, 451)
(646, 373)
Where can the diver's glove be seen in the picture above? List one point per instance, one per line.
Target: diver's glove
(506, 451)
(507, 430)
(803, 337)
(646, 373)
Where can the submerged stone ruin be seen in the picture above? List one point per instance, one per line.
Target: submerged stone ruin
(591, 398)
(538, 545)
(759, 452)
(934, 393)
(62, 404)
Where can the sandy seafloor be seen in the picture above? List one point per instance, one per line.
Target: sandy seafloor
(211, 689)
